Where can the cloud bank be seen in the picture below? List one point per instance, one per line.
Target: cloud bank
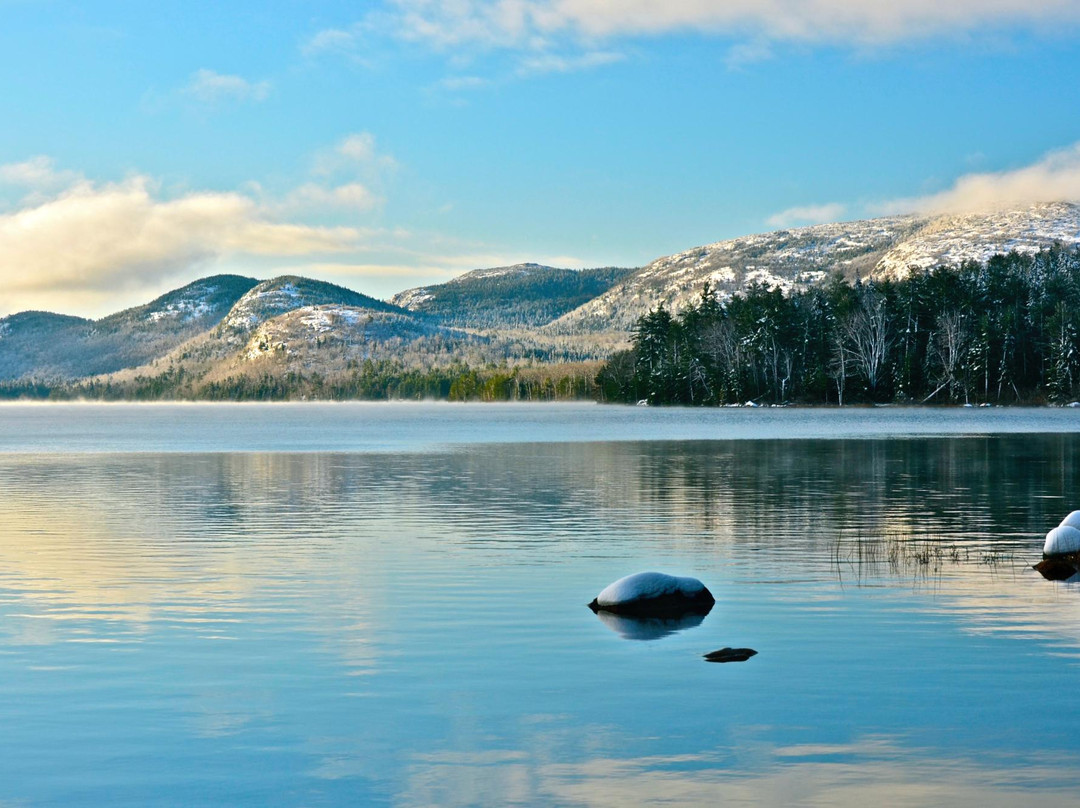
(1053, 178)
(536, 23)
(93, 237)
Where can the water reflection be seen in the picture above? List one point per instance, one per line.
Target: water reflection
(871, 771)
(409, 629)
(648, 628)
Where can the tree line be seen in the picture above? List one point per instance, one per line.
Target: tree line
(369, 380)
(1002, 331)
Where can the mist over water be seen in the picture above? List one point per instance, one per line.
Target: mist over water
(349, 623)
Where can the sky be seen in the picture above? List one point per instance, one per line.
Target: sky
(394, 143)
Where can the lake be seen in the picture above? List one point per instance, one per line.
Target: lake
(378, 604)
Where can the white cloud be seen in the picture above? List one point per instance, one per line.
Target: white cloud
(210, 87)
(96, 236)
(534, 24)
(462, 83)
(36, 174)
(331, 40)
(748, 53)
(359, 147)
(354, 153)
(1054, 178)
(557, 63)
(807, 215)
(351, 195)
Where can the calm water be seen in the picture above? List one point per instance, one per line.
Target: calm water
(374, 604)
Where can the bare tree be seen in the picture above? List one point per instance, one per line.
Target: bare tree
(720, 342)
(840, 365)
(950, 343)
(868, 336)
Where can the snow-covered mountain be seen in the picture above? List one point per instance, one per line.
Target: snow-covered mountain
(525, 312)
(287, 293)
(789, 259)
(351, 332)
(954, 239)
(56, 346)
(785, 258)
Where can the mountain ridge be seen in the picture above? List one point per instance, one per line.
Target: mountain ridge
(525, 295)
(517, 313)
(882, 248)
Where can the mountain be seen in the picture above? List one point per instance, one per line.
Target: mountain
(293, 323)
(56, 346)
(518, 296)
(287, 293)
(952, 240)
(227, 324)
(29, 340)
(885, 247)
(327, 337)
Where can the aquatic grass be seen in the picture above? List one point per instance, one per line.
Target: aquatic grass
(904, 555)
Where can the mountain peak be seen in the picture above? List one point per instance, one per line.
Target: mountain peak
(789, 259)
(287, 292)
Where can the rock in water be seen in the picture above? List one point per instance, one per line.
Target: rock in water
(1058, 568)
(1061, 540)
(654, 594)
(730, 655)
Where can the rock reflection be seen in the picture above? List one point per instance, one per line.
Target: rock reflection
(649, 628)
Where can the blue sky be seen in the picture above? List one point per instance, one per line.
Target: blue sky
(387, 145)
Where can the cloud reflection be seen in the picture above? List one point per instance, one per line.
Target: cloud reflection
(871, 771)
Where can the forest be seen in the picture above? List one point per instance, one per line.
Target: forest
(1003, 331)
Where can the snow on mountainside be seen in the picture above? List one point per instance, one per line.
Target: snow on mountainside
(792, 259)
(952, 240)
(355, 331)
(786, 258)
(287, 293)
(54, 346)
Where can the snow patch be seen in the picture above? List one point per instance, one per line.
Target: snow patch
(1062, 539)
(953, 240)
(647, 586)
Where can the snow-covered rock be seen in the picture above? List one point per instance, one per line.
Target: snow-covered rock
(1062, 540)
(1072, 520)
(654, 594)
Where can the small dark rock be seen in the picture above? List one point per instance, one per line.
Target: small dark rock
(730, 655)
(1058, 568)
